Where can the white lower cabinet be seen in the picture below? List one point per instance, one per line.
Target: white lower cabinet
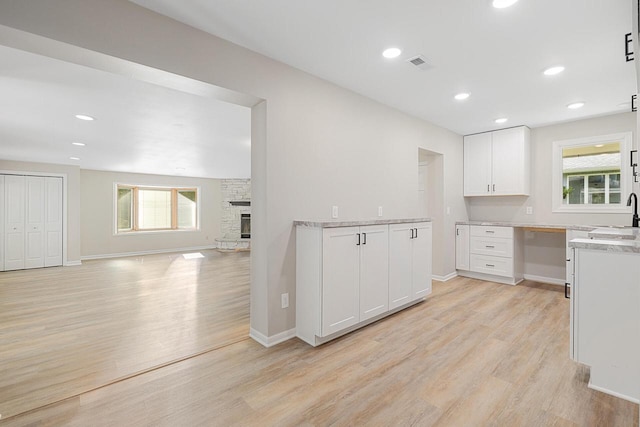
(462, 247)
(606, 320)
(347, 277)
(490, 253)
(409, 262)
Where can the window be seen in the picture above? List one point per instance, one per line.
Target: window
(590, 175)
(154, 209)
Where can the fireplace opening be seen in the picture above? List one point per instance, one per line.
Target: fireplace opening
(245, 226)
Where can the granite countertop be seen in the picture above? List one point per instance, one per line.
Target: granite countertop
(529, 225)
(336, 223)
(608, 245)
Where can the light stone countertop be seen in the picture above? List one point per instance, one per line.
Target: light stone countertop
(335, 223)
(611, 245)
(529, 225)
(628, 233)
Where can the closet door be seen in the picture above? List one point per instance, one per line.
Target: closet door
(34, 224)
(14, 219)
(53, 225)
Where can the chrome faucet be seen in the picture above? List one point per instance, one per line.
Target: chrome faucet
(635, 208)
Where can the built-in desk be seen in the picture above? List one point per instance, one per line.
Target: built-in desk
(477, 255)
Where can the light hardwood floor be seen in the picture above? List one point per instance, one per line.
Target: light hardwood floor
(68, 330)
(474, 354)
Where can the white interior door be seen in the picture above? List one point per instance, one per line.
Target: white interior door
(400, 288)
(14, 222)
(34, 223)
(374, 271)
(53, 224)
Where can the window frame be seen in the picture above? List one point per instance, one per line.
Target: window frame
(624, 138)
(134, 209)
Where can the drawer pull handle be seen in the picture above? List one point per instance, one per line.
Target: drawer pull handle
(489, 231)
(490, 265)
(567, 287)
(490, 247)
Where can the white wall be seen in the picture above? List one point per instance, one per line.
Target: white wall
(97, 215)
(73, 198)
(319, 145)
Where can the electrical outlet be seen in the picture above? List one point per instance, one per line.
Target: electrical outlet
(334, 212)
(379, 210)
(285, 300)
(529, 210)
(448, 210)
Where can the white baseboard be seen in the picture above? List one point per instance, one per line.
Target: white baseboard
(613, 393)
(72, 263)
(444, 278)
(542, 279)
(272, 340)
(152, 252)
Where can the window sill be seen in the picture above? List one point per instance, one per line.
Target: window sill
(592, 209)
(144, 232)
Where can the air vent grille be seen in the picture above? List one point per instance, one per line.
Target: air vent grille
(421, 62)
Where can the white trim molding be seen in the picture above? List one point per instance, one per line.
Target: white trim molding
(542, 279)
(273, 339)
(444, 278)
(152, 252)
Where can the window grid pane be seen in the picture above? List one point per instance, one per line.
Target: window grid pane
(154, 209)
(187, 209)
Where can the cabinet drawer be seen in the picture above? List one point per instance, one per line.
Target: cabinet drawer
(492, 231)
(492, 265)
(492, 246)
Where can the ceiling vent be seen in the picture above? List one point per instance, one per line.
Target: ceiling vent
(420, 62)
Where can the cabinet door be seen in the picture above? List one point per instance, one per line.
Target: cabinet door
(14, 218)
(477, 164)
(34, 222)
(374, 271)
(510, 159)
(340, 279)
(462, 247)
(421, 260)
(400, 258)
(53, 225)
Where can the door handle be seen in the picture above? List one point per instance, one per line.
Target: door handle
(627, 51)
(566, 290)
(488, 188)
(494, 187)
(358, 244)
(416, 232)
(365, 238)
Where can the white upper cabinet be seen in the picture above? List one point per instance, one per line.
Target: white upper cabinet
(497, 163)
(477, 165)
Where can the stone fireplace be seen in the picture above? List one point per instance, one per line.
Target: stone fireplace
(235, 224)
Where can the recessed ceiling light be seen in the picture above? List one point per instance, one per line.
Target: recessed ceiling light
(84, 117)
(392, 52)
(575, 105)
(461, 96)
(501, 120)
(599, 145)
(74, 158)
(180, 169)
(501, 4)
(552, 71)
(79, 144)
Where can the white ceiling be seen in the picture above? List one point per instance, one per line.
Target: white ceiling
(497, 55)
(139, 127)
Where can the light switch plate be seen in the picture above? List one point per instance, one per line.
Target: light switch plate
(529, 210)
(379, 210)
(334, 212)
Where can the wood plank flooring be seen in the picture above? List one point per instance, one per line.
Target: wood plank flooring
(474, 354)
(68, 330)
